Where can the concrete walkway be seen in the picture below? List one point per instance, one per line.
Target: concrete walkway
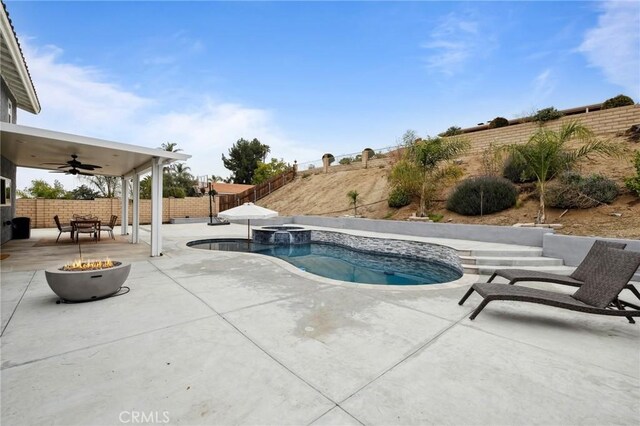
(233, 338)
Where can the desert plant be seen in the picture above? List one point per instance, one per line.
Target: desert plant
(546, 114)
(451, 131)
(433, 157)
(345, 161)
(399, 197)
(575, 191)
(354, 196)
(617, 101)
(498, 122)
(492, 160)
(546, 153)
(482, 195)
(435, 217)
(633, 183)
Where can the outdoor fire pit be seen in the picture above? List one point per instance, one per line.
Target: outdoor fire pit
(82, 280)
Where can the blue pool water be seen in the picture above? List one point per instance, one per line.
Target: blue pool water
(340, 263)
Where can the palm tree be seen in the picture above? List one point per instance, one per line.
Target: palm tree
(353, 199)
(546, 154)
(170, 147)
(432, 155)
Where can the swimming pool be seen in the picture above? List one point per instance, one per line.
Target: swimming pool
(345, 264)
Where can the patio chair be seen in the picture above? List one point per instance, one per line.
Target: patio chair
(597, 295)
(62, 229)
(576, 279)
(86, 225)
(109, 228)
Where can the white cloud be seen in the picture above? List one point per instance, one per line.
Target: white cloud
(453, 42)
(613, 45)
(543, 85)
(81, 100)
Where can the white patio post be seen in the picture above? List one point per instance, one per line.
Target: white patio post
(156, 206)
(124, 199)
(135, 220)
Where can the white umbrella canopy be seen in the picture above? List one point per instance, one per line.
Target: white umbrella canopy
(248, 211)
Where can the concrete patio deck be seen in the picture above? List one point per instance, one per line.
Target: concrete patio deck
(233, 338)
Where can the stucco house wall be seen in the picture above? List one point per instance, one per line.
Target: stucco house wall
(7, 168)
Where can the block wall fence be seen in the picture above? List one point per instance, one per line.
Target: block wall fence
(41, 211)
(605, 123)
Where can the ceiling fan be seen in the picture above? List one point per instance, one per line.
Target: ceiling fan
(76, 167)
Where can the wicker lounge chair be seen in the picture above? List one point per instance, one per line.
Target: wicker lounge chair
(576, 279)
(597, 295)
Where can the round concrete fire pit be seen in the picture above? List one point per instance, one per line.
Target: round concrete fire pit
(80, 286)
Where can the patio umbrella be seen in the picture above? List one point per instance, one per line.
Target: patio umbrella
(248, 211)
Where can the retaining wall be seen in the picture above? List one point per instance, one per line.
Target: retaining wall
(487, 233)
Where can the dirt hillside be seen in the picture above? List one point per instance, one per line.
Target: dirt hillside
(326, 195)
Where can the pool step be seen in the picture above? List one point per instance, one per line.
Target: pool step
(513, 252)
(490, 269)
(511, 261)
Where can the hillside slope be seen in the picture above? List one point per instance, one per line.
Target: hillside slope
(326, 195)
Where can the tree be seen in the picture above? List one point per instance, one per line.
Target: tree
(107, 186)
(353, 196)
(83, 192)
(170, 147)
(547, 154)
(425, 166)
(243, 159)
(41, 189)
(266, 171)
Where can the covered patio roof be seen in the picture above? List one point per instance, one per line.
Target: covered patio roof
(32, 147)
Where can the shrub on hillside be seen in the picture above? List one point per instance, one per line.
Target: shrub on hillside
(617, 101)
(399, 197)
(546, 114)
(482, 195)
(345, 160)
(516, 170)
(451, 131)
(633, 183)
(498, 122)
(573, 190)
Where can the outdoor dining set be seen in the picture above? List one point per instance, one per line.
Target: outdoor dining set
(86, 224)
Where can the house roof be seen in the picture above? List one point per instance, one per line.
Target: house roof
(230, 188)
(33, 147)
(14, 69)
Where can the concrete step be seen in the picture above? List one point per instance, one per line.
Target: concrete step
(512, 261)
(515, 252)
(490, 269)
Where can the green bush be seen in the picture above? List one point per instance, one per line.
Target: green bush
(451, 131)
(495, 194)
(546, 114)
(498, 122)
(399, 197)
(346, 160)
(573, 190)
(516, 170)
(617, 101)
(633, 183)
(435, 217)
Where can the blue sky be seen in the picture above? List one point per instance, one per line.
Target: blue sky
(314, 77)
